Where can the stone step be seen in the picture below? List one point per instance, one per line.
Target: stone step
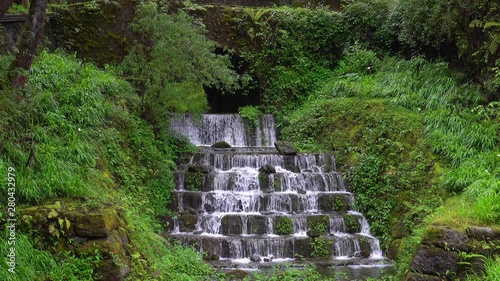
(226, 159)
(230, 224)
(249, 179)
(252, 202)
(340, 246)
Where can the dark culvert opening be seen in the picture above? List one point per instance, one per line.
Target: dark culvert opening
(220, 102)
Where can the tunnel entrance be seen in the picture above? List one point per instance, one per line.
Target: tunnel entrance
(220, 102)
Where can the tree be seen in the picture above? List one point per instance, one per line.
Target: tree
(172, 63)
(30, 41)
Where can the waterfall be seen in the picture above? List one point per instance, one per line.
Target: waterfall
(233, 211)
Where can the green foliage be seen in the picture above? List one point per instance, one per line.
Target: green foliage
(294, 51)
(18, 9)
(319, 224)
(250, 113)
(173, 62)
(283, 226)
(491, 273)
(320, 247)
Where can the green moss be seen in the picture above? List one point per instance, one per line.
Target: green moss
(352, 223)
(321, 247)
(318, 223)
(283, 226)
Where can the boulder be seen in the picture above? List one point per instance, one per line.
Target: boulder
(285, 148)
(236, 274)
(318, 222)
(255, 258)
(267, 169)
(364, 245)
(221, 144)
(435, 261)
(446, 238)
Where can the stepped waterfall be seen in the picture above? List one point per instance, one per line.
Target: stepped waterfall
(251, 203)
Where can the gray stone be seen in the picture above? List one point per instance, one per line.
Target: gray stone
(268, 259)
(192, 200)
(255, 258)
(413, 276)
(195, 168)
(446, 238)
(483, 233)
(221, 144)
(435, 261)
(232, 225)
(267, 169)
(313, 233)
(285, 147)
(257, 225)
(187, 223)
(302, 247)
(301, 191)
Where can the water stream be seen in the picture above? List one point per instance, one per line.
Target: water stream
(232, 212)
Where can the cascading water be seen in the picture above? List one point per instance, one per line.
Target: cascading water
(231, 208)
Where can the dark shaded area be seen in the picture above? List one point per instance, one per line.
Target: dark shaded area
(220, 102)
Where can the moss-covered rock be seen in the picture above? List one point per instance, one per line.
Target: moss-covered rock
(352, 223)
(194, 181)
(221, 144)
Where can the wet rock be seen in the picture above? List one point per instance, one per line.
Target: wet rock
(268, 259)
(267, 169)
(195, 168)
(232, 225)
(197, 232)
(255, 258)
(257, 225)
(265, 182)
(187, 223)
(285, 147)
(435, 261)
(169, 223)
(313, 233)
(192, 202)
(301, 191)
(446, 238)
(352, 223)
(318, 223)
(483, 233)
(290, 163)
(302, 247)
(414, 276)
(364, 245)
(209, 256)
(173, 203)
(221, 144)
(332, 203)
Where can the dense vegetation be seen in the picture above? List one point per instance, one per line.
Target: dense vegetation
(406, 93)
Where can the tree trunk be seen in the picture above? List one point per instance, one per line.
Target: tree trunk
(4, 6)
(32, 37)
